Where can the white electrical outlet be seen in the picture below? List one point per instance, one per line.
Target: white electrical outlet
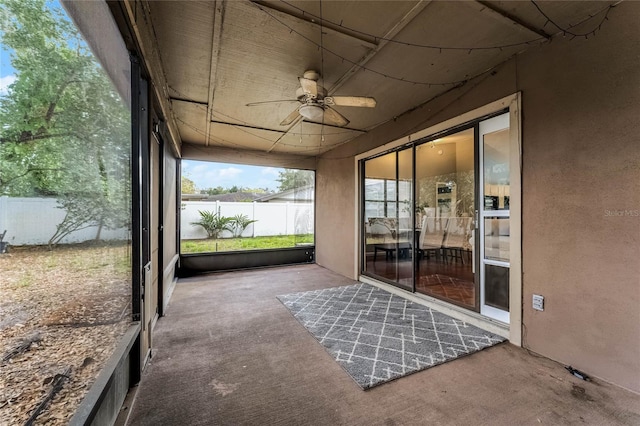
(538, 302)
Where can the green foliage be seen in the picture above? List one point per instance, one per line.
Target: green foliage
(220, 190)
(213, 223)
(239, 223)
(214, 191)
(187, 186)
(256, 243)
(290, 179)
(65, 131)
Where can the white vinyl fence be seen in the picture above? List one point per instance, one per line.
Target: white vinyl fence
(275, 218)
(32, 221)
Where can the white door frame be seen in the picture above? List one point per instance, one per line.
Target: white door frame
(500, 122)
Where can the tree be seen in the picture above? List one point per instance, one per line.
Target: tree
(65, 132)
(187, 186)
(290, 179)
(214, 191)
(213, 223)
(220, 190)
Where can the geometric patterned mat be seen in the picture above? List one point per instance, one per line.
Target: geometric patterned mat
(377, 336)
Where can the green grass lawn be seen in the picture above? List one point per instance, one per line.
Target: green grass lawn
(234, 244)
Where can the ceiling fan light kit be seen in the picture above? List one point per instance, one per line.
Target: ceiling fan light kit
(311, 112)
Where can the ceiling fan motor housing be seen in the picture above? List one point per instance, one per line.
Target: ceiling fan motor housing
(303, 97)
(311, 75)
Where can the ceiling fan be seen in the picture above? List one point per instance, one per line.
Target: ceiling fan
(315, 105)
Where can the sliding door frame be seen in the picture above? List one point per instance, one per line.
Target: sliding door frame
(512, 105)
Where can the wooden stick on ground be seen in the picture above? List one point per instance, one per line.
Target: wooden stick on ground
(22, 347)
(58, 383)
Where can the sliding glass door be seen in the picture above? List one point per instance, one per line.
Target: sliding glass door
(387, 218)
(436, 218)
(445, 207)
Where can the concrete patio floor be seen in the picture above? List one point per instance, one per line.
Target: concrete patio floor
(229, 353)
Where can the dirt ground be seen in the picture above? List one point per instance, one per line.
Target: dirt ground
(67, 308)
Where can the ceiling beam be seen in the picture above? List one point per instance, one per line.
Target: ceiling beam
(384, 40)
(218, 18)
(506, 15)
(247, 156)
(247, 126)
(367, 42)
(139, 18)
(190, 101)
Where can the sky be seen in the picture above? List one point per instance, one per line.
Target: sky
(206, 175)
(7, 73)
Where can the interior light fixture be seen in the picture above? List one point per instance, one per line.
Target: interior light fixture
(312, 112)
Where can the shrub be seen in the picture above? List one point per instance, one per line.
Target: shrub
(213, 223)
(239, 223)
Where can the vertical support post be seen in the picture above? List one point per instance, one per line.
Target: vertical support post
(253, 217)
(286, 219)
(136, 216)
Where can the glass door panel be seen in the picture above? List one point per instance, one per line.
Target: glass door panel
(496, 238)
(406, 229)
(381, 246)
(494, 218)
(445, 206)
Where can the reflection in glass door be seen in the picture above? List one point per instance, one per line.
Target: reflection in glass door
(445, 206)
(495, 218)
(388, 229)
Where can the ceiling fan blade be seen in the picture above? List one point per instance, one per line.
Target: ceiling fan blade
(290, 118)
(271, 102)
(331, 116)
(352, 101)
(309, 86)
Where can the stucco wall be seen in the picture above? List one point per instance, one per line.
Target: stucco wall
(335, 215)
(581, 192)
(581, 160)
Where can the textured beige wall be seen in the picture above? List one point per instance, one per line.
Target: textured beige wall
(581, 159)
(581, 192)
(335, 215)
